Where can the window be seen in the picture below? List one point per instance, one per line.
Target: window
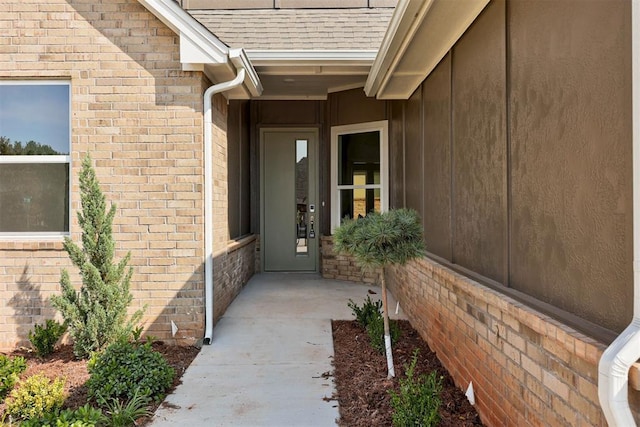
(35, 142)
(359, 170)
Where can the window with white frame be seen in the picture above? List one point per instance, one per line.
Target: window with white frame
(359, 170)
(35, 147)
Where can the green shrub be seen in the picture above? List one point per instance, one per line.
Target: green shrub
(375, 330)
(96, 314)
(10, 370)
(85, 416)
(367, 312)
(35, 397)
(44, 338)
(418, 401)
(126, 370)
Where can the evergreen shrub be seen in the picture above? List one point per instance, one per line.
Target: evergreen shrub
(96, 315)
(126, 371)
(418, 401)
(44, 338)
(35, 397)
(10, 370)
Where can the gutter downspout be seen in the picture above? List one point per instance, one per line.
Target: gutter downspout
(208, 198)
(613, 369)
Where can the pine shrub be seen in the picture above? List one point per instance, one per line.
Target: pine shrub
(44, 338)
(35, 397)
(126, 371)
(96, 315)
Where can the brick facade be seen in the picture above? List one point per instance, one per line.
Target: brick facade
(526, 368)
(140, 117)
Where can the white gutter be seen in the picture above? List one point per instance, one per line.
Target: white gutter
(208, 198)
(613, 369)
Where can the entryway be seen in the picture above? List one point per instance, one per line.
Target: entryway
(289, 194)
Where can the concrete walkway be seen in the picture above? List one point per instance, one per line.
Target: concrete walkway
(269, 353)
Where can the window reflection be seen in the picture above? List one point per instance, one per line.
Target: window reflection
(302, 196)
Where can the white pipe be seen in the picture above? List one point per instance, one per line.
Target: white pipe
(208, 199)
(613, 369)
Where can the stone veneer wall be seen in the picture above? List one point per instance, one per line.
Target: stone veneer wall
(342, 267)
(527, 369)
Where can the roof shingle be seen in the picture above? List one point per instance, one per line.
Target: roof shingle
(298, 29)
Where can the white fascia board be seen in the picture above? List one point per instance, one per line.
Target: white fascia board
(251, 81)
(311, 57)
(406, 19)
(436, 24)
(197, 44)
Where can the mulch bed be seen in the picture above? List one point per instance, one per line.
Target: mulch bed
(361, 378)
(62, 363)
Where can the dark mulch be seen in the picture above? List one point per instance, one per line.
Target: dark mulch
(63, 363)
(362, 384)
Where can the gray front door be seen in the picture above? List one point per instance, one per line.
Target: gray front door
(289, 200)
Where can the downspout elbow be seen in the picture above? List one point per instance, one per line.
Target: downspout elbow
(208, 197)
(613, 372)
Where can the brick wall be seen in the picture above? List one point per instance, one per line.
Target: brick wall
(527, 369)
(140, 117)
(232, 270)
(342, 267)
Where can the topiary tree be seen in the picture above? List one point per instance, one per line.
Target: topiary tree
(96, 315)
(379, 240)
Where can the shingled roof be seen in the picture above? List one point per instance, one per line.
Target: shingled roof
(298, 29)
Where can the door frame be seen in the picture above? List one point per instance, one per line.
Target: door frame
(316, 150)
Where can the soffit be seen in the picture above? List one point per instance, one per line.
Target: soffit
(420, 33)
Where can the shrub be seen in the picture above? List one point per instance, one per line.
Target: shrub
(375, 330)
(126, 414)
(97, 314)
(10, 370)
(126, 370)
(418, 401)
(367, 312)
(35, 397)
(85, 416)
(44, 338)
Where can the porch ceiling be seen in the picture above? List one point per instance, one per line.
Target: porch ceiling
(299, 74)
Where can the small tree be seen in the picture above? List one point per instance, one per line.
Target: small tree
(96, 315)
(380, 240)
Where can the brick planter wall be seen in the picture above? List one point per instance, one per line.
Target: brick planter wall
(341, 267)
(527, 369)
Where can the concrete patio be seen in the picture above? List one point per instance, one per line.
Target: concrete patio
(269, 353)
